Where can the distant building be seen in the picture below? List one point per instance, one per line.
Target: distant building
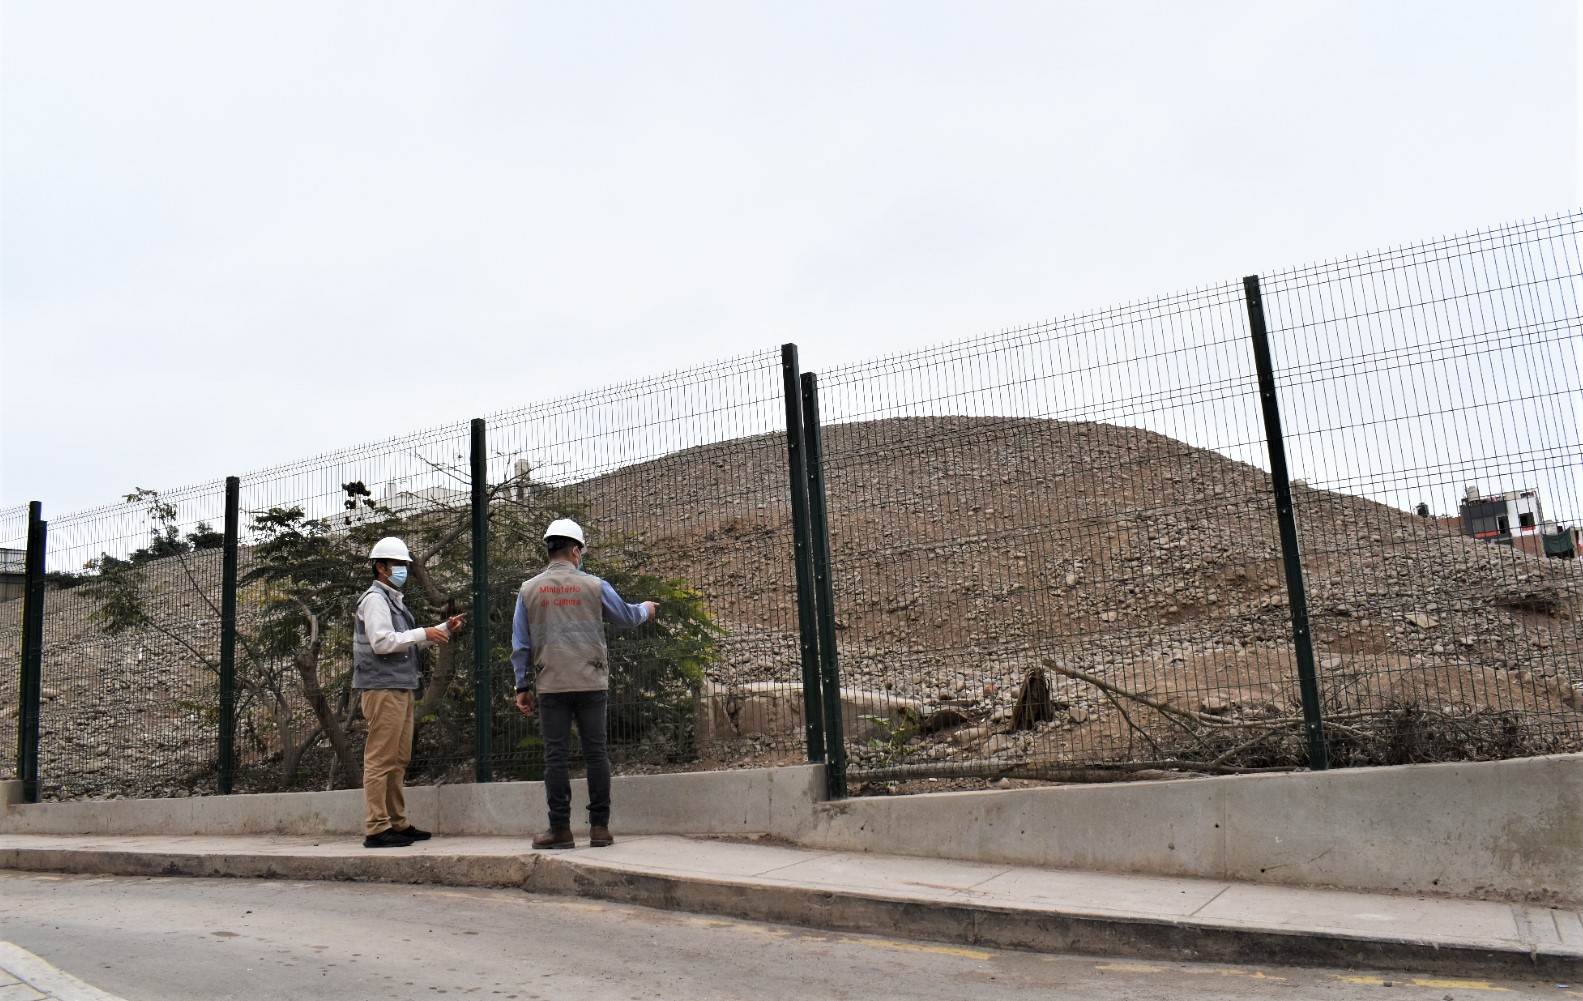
(1499, 517)
(1514, 518)
(424, 499)
(13, 573)
(401, 502)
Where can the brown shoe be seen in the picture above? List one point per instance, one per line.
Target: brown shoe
(599, 837)
(554, 838)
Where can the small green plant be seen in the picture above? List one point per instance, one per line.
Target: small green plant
(894, 735)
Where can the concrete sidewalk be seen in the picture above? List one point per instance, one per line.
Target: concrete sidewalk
(26, 977)
(984, 904)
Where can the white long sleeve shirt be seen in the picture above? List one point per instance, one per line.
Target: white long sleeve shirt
(381, 630)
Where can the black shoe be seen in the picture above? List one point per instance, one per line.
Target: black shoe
(387, 839)
(416, 834)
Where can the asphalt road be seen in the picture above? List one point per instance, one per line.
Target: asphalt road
(176, 939)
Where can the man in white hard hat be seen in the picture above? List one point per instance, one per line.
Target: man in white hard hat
(563, 667)
(385, 659)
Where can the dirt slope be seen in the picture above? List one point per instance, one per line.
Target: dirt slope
(966, 552)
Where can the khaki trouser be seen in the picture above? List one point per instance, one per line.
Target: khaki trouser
(385, 757)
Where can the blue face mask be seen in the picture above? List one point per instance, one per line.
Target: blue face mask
(398, 577)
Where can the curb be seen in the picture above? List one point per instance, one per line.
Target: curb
(869, 912)
(1036, 930)
(509, 871)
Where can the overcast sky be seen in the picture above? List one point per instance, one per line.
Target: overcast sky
(236, 234)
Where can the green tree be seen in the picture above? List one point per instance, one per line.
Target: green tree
(306, 579)
(120, 588)
(306, 574)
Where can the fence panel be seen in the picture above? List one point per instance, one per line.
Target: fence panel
(130, 649)
(680, 480)
(13, 547)
(1422, 388)
(681, 483)
(306, 532)
(1036, 530)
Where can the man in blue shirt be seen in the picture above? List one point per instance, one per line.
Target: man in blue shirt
(562, 666)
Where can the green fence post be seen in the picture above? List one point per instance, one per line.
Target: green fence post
(227, 748)
(31, 680)
(830, 673)
(483, 708)
(807, 622)
(1302, 638)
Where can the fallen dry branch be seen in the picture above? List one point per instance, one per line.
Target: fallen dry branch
(1208, 719)
(1131, 726)
(1400, 731)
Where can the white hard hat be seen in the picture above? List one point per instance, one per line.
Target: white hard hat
(566, 528)
(390, 548)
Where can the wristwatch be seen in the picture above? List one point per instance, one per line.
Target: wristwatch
(527, 689)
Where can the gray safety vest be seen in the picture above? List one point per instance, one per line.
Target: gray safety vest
(566, 620)
(390, 670)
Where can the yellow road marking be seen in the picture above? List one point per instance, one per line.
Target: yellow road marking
(517, 900)
(451, 894)
(936, 950)
(1212, 971)
(712, 923)
(777, 931)
(1466, 985)
(472, 896)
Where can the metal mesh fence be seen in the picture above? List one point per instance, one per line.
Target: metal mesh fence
(1016, 515)
(306, 531)
(131, 646)
(682, 484)
(1057, 548)
(680, 481)
(1055, 552)
(1433, 408)
(13, 543)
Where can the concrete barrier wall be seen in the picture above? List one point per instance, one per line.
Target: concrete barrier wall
(750, 801)
(1501, 830)
(1504, 830)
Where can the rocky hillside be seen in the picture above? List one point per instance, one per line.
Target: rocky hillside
(967, 552)
(130, 715)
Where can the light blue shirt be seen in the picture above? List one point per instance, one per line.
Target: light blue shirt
(617, 612)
